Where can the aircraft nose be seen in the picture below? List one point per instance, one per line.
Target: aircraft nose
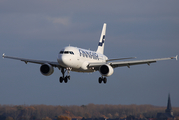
(63, 60)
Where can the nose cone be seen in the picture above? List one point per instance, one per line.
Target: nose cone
(63, 60)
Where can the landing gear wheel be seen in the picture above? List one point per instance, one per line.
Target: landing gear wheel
(105, 80)
(100, 80)
(66, 79)
(61, 79)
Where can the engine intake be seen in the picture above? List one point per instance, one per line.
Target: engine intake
(106, 70)
(46, 69)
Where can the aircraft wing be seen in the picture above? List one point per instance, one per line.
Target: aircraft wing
(54, 64)
(129, 63)
(137, 62)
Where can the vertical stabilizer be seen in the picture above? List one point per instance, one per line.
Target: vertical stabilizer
(102, 40)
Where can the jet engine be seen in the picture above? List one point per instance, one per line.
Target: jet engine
(106, 70)
(46, 69)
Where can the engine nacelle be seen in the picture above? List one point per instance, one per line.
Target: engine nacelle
(106, 70)
(46, 69)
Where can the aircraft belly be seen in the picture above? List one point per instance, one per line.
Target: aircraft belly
(81, 70)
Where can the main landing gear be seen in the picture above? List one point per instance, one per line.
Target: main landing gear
(104, 79)
(65, 78)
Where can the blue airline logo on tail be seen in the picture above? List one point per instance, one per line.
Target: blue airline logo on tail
(101, 43)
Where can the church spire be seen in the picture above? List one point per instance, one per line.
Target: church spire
(169, 107)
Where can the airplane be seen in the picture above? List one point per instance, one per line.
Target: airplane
(82, 60)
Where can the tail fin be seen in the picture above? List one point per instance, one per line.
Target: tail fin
(102, 40)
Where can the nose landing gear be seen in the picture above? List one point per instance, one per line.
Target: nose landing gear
(65, 78)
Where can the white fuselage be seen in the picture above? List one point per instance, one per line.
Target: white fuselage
(77, 59)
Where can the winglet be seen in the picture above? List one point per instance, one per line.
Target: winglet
(3, 55)
(176, 57)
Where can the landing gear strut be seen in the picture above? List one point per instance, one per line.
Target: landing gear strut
(104, 79)
(65, 78)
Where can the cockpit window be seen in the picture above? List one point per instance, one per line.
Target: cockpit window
(66, 52)
(71, 53)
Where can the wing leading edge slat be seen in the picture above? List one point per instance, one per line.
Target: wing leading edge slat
(129, 63)
(54, 64)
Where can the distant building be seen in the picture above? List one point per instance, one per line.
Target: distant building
(168, 112)
(93, 118)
